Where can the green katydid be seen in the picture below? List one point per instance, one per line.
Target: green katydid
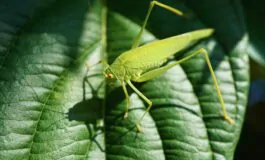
(143, 63)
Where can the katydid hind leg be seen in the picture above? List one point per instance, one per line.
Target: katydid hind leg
(225, 113)
(151, 6)
(156, 72)
(138, 124)
(221, 100)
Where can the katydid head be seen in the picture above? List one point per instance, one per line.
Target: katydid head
(111, 78)
(109, 74)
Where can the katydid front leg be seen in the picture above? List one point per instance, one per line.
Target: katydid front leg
(127, 99)
(138, 124)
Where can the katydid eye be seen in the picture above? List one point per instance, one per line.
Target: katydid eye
(109, 75)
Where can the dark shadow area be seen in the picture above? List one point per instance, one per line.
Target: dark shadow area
(157, 24)
(90, 111)
(252, 141)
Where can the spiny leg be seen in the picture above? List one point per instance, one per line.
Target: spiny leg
(156, 72)
(127, 99)
(138, 124)
(151, 6)
(204, 52)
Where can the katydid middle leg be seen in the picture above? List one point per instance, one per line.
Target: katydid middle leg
(151, 6)
(138, 124)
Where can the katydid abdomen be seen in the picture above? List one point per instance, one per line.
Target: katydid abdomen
(133, 63)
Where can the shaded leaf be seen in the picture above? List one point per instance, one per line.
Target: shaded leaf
(255, 22)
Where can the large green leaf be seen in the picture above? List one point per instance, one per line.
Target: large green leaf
(52, 107)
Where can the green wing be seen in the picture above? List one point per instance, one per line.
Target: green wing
(157, 51)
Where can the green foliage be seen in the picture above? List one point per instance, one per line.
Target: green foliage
(51, 107)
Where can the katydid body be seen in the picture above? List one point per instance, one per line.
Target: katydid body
(132, 65)
(144, 63)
